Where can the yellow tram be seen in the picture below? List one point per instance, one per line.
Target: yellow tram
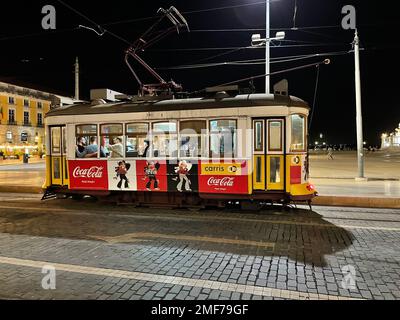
(248, 149)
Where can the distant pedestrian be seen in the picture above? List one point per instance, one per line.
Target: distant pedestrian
(330, 153)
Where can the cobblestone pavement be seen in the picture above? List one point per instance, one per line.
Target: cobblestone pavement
(110, 252)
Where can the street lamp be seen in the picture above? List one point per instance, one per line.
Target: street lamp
(257, 41)
(266, 41)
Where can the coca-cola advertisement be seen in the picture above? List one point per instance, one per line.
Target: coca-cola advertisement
(88, 175)
(230, 181)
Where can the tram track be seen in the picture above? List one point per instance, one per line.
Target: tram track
(203, 217)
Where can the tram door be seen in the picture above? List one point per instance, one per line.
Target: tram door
(269, 154)
(58, 159)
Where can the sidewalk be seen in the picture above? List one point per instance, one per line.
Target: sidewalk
(20, 161)
(336, 184)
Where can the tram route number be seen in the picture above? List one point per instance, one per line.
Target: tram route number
(202, 310)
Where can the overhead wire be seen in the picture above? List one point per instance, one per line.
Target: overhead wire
(327, 61)
(276, 60)
(101, 31)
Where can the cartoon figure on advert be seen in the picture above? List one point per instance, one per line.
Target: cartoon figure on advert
(151, 170)
(122, 171)
(182, 171)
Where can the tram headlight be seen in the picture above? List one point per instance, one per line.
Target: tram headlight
(310, 187)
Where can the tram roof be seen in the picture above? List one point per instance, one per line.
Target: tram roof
(240, 101)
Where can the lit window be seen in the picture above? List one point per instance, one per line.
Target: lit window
(137, 144)
(86, 141)
(56, 140)
(223, 137)
(112, 142)
(193, 137)
(164, 140)
(298, 133)
(259, 134)
(9, 136)
(275, 135)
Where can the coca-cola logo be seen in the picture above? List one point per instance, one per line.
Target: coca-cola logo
(221, 182)
(92, 172)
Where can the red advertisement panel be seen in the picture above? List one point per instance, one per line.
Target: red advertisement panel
(224, 184)
(151, 175)
(88, 175)
(223, 177)
(295, 175)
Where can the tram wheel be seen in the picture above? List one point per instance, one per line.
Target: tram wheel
(77, 197)
(250, 206)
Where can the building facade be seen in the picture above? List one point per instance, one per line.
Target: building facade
(22, 113)
(391, 140)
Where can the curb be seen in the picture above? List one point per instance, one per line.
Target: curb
(358, 202)
(20, 189)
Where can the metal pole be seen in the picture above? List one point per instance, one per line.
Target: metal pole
(360, 139)
(267, 49)
(77, 79)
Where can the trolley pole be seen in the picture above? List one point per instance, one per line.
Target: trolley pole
(360, 139)
(267, 49)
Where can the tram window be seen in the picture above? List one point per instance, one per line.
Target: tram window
(192, 138)
(64, 135)
(258, 132)
(112, 142)
(258, 170)
(55, 140)
(56, 168)
(298, 133)
(223, 138)
(86, 141)
(137, 144)
(275, 167)
(165, 139)
(275, 135)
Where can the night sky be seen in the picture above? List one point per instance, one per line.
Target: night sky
(44, 59)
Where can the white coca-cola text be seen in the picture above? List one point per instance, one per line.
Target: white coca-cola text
(221, 182)
(93, 172)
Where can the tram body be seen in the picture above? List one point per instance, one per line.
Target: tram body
(184, 152)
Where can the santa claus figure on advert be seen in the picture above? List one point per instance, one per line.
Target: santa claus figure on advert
(182, 171)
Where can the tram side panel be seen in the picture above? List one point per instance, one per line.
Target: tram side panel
(204, 177)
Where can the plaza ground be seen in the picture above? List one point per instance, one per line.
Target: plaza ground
(109, 252)
(102, 251)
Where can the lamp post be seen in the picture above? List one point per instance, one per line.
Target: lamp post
(267, 50)
(360, 138)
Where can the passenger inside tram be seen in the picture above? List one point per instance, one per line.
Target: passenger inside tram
(83, 151)
(116, 150)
